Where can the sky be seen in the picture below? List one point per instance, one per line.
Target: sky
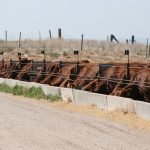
(94, 18)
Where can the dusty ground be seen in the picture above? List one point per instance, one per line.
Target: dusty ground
(129, 119)
(30, 125)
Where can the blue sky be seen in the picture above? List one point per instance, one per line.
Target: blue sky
(94, 18)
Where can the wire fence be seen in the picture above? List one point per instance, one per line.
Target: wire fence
(50, 40)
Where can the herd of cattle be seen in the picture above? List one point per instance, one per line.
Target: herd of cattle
(112, 79)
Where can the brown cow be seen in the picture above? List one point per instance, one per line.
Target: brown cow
(16, 68)
(139, 88)
(52, 70)
(106, 84)
(114, 78)
(65, 73)
(23, 75)
(87, 74)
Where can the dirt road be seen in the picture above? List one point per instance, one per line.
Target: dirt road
(29, 125)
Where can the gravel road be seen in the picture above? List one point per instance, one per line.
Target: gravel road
(28, 125)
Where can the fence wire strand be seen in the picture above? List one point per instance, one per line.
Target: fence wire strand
(78, 76)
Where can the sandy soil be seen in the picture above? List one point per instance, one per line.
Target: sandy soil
(31, 125)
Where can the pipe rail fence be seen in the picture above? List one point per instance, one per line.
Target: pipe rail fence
(40, 67)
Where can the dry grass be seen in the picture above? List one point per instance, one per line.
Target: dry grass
(94, 51)
(129, 119)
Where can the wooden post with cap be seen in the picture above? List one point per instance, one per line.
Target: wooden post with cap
(6, 36)
(19, 57)
(20, 40)
(3, 63)
(76, 52)
(147, 49)
(44, 61)
(81, 42)
(10, 63)
(128, 65)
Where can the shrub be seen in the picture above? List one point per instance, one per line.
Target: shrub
(54, 54)
(65, 53)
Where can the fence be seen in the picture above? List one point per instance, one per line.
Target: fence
(102, 68)
(34, 42)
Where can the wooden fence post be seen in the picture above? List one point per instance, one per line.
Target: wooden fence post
(6, 36)
(50, 34)
(44, 67)
(133, 39)
(60, 65)
(19, 57)
(10, 63)
(81, 42)
(3, 63)
(128, 65)
(59, 33)
(20, 40)
(147, 48)
(149, 51)
(40, 38)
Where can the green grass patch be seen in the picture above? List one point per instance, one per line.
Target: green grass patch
(6, 49)
(54, 54)
(65, 53)
(33, 92)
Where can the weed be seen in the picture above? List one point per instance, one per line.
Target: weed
(55, 97)
(65, 53)
(54, 54)
(33, 92)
